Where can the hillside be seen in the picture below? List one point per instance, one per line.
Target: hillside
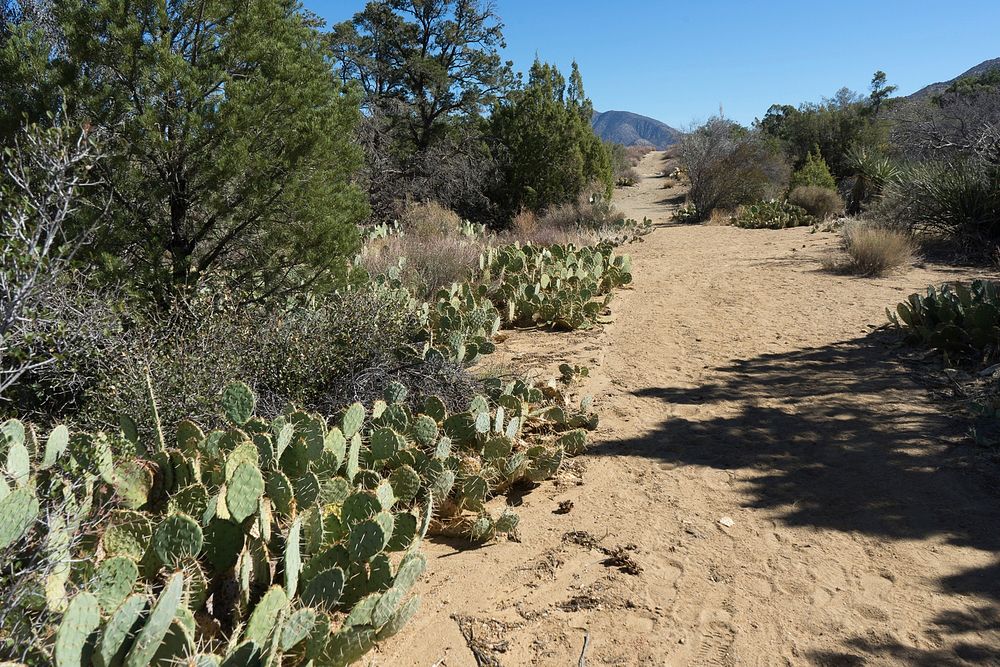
(936, 88)
(631, 129)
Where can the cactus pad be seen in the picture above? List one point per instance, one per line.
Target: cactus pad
(178, 537)
(265, 615)
(293, 557)
(55, 445)
(158, 623)
(113, 581)
(237, 403)
(368, 538)
(386, 443)
(81, 619)
(395, 393)
(324, 589)
(243, 491)
(124, 623)
(425, 430)
(405, 483)
(297, 627)
(354, 418)
(18, 511)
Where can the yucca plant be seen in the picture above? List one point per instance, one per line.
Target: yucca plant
(873, 171)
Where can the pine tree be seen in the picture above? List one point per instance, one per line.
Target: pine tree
(546, 144)
(228, 140)
(814, 172)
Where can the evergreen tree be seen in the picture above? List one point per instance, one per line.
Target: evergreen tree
(228, 139)
(545, 143)
(814, 172)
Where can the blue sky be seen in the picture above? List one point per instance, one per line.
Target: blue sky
(678, 61)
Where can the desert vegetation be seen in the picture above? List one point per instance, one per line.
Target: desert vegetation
(245, 284)
(257, 269)
(917, 171)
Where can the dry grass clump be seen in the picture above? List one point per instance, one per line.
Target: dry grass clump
(430, 262)
(430, 220)
(821, 203)
(872, 250)
(558, 225)
(721, 217)
(434, 250)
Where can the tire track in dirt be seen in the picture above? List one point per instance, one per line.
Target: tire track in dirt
(737, 381)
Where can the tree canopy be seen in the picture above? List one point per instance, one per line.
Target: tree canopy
(545, 143)
(228, 137)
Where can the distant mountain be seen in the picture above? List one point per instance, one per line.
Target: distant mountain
(631, 129)
(938, 88)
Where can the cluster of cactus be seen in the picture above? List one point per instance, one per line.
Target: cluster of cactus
(269, 542)
(620, 231)
(461, 323)
(773, 214)
(559, 286)
(687, 213)
(958, 320)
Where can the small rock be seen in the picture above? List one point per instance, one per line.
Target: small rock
(727, 522)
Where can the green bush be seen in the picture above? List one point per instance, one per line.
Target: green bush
(774, 214)
(687, 213)
(321, 354)
(813, 172)
(956, 319)
(545, 144)
(562, 287)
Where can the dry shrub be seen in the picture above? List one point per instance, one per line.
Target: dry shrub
(430, 262)
(819, 202)
(872, 250)
(636, 153)
(430, 220)
(729, 165)
(721, 217)
(524, 224)
(628, 178)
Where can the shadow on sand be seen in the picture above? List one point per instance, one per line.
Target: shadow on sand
(846, 449)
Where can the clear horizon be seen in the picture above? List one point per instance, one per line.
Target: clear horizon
(679, 64)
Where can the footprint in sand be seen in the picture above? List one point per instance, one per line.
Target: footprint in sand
(715, 644)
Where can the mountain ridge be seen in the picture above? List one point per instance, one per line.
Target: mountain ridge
(632, 129)
(940, 86)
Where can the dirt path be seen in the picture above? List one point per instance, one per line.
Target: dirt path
(740, 383)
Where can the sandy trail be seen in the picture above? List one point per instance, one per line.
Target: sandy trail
(737, 380)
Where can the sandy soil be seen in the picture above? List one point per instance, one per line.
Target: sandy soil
(767, 456)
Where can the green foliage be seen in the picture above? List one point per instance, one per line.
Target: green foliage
(834, 125)
(437, 58)
(228, 139)
(687, 213)
(547, 149)
(773, 214)
(729, 166)
(958, 200)
(428, 70)
(959, 320)
(813, 172)
(969, 86)
(873, 172)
